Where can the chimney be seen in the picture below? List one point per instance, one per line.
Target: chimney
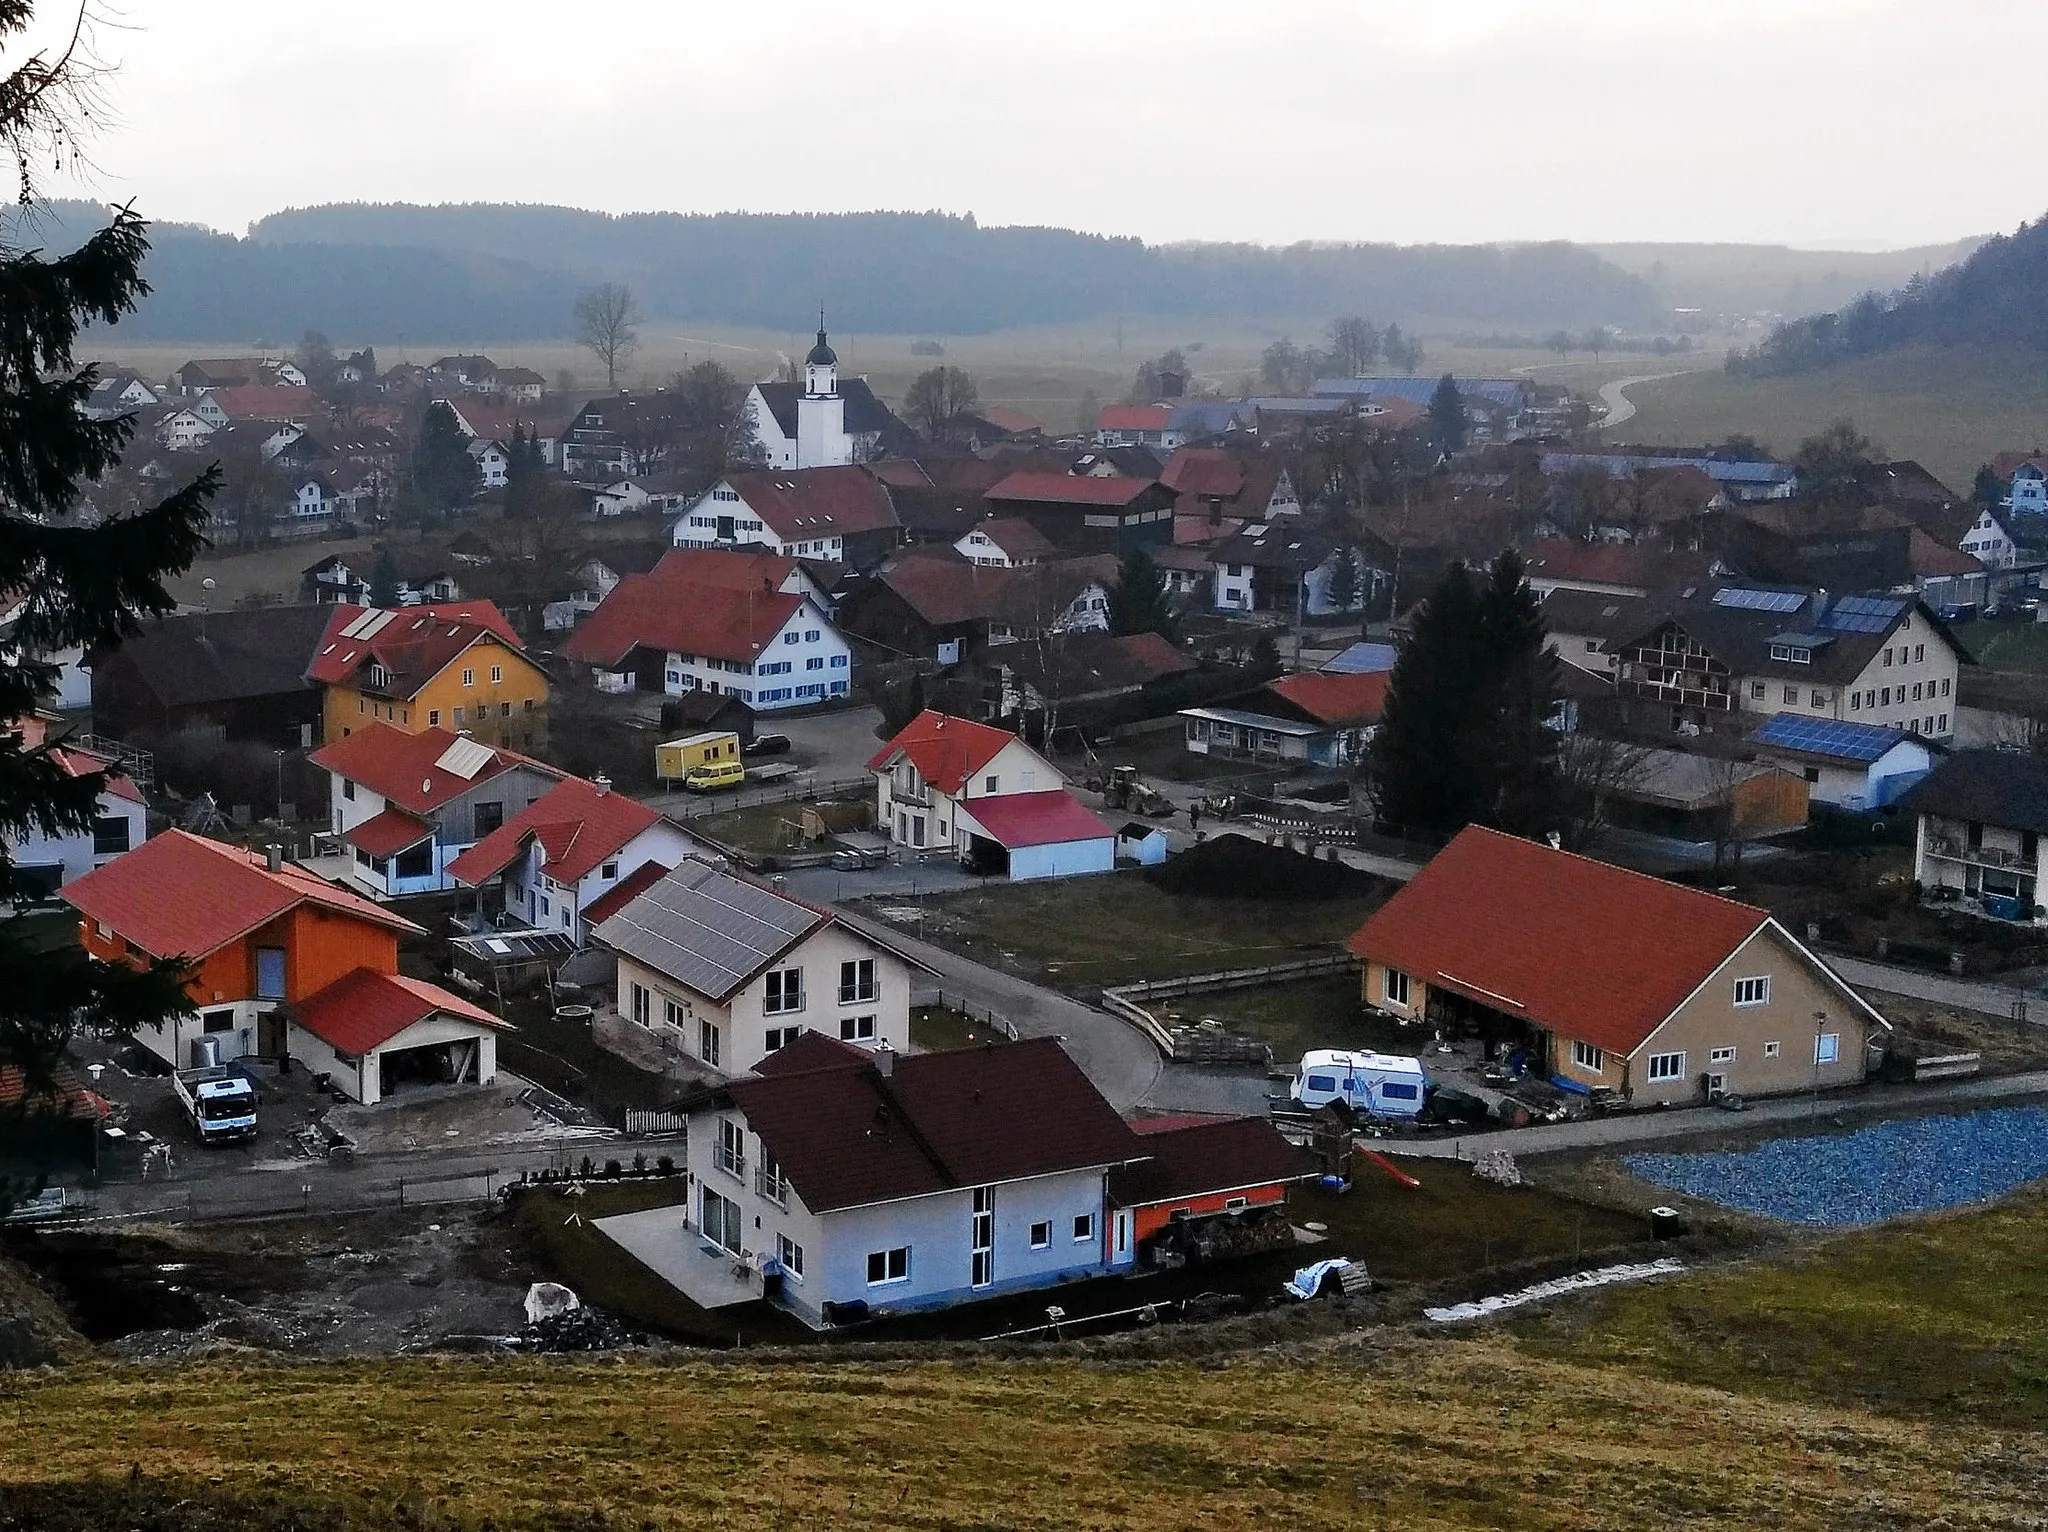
(885, 1062)
(602, 783)
(273, 854)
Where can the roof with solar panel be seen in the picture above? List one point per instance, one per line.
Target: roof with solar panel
(1793, 633)
(1828, 739)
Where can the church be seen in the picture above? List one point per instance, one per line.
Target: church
(822, 422)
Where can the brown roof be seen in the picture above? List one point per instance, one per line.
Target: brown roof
(802, 504)
(1236, 1154)
(1625, 564)
(846, 1136)
(946, 590)
(1335, 700)
(1078, 664)
(1929, 558)
(1018, 539)
(669, 611)
(1068, 489)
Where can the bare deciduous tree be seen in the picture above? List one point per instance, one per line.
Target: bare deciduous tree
(1592, 769)
(608, 326)
(938, 397)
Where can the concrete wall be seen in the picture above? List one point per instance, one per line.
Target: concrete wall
(1066, 860)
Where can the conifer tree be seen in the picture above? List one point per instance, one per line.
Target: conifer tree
(1138, 602)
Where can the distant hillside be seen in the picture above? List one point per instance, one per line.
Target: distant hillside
(936, 273)
(1998, 297)
(1774, 280)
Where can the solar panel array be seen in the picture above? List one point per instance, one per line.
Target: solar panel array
(1746, 600)
(1863, 614)
(1862, 742)
(466, 757)
(707, 929)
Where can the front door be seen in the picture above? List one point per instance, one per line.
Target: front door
(270, 1036)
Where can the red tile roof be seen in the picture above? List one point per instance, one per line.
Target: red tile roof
(257, 401)
(802, 504)
(1623, 564)
(726, 568)
(946, 751)
(1018, 820)
(1335, 699)
(1203, 471)
(183, 896)
(578, 828)
(401, 767)
(1591, 952)
(365, 1009)
(1006, 419)
(846, 1137)
(389, 833)
(416, 644)
(1235, 1154)
(1134, 417)
(1068, 489)
(74, 762)
(628, 888)
(660, 611)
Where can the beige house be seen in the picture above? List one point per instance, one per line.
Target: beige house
(730, 971)
(1600, 978)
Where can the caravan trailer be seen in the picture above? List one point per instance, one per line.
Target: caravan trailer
(1376, 1084)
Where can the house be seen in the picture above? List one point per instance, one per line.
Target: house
(1070, 669)
(1200, 1173)
(1215, 483)
(1856, 767)
(183, 429)
(1188, 570)
(550, 861)
(1602, 978)
(1583, 627)
(1290, 569)
(521, 385)
(493, 464)
(945, 782)
(2026, 485)
(1950, 581)
(1981, 817)
(73, 680)
(871, 1184)
(1608, 569)
(117, 393)
(425, 667)
(469, 371)
(843, 515)
(281, 405)
(1731, 650)
(238, 676)
(942, 607)
(748, 624)
(1741, 479)
(1706, 798)
(1312, 719)
(732, 971)
(1005, 544)
(196, 377)
(45, 862)
(1138, 425)
(407, 804)
(824, 421)
(499, 418)
(281, 964)
(1086, 515)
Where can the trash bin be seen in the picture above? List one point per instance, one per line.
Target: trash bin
(1666, 1223)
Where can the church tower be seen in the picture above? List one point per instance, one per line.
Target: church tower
(821, 439)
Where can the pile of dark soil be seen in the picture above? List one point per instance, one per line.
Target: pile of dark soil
(1236, 867)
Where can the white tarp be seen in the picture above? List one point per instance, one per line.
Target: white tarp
(1557, 1287)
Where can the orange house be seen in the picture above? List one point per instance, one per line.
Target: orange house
(1200, 1168)
(282, 964)
(458, 666)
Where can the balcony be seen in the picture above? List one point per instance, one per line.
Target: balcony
(1953, 850)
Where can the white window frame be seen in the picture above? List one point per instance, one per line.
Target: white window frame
(857, 1029)
(777, 998)
(1753, 990)
(1660, 1067)
(1041, 1234)
(1721, 1055)
(791, 1256)
(898, 1258)
(729, 1154)
(1394, 987)
(1771, 1049)
(1084, 1228)
(858, 981)
(1586, 1056)
(1827, 1048)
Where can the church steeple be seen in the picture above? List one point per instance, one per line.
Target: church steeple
(821, 367)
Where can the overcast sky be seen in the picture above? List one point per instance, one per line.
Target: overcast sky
(1865, 122)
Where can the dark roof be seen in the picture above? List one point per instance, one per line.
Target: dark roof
(1995, 787)
(864, 411)
(225, 656)
(1081, 664)
(708, 929)
(846, 1136)
(1855, 628)
(1205, 1158)
(822, 355)
(1275, 545)
(1589, 612)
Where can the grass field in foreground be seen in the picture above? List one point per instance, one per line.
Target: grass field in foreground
(1455, 1433)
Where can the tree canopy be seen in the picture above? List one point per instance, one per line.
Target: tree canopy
(1447, 415)
(938, 398)
(1138, 602)
(443, 472)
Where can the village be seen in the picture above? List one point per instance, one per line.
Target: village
(730, 861)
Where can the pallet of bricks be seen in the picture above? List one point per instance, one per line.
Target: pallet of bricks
(1210, 1042)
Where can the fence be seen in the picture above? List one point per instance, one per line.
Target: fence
(316, 1187)
(650, 1124)
(966, 1007)
(708, 805)
(1124, 1000)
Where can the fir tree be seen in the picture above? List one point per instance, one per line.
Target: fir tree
(1520, 760)
(525, 473)
(1138, 602)
(80, 585)
(442, 470)
(1426, 778)
(384, 579)
(1342, 591)
(1447, 415)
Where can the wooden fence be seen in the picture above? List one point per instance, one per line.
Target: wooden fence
(1128, 1000)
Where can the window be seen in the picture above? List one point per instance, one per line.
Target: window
(1944, 686)
(707, 1043)
(1667, 1066)
(1887, 656)
(888, 1266)
(1792, 696)
(1855, 702)
(348, 790)
(1917, 689)
(497, 674)
(270, 973)
(1919, 653)
(1820, 699)
(468, 677)
(458, 715)
(983, 1229)
(989, 785)
(504, 710)
(782, 1037)
(856, 981)
(1395, 987)
(1755, 991)
(815, 662)
(609, 871)
(857, 1029)
(730, 1155)
(769, 1180)
(1827, 1047)
(1770, 1050)
(1586, 1056)
(785, 991)
(433, 718)
(1041, 1235)
(838, 662)
(720, 1221)
(1721, 1056)
(789, 638)
(1084, 1227)
(1756, 691)
(811, 635)
(1941, 723)
(790, 1255)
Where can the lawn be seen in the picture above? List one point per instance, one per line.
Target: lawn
(1945, 1317)
(1293, 1018)
(941, 1028)
(2012, 646)
(762, 829)
(1119, 928)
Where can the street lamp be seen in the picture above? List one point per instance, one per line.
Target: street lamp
(280, 784)
(1820, 1025)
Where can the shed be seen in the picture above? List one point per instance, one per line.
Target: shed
(1140, 842)
(1676, 793)
(1204, 1169)
(1034, 835)
(1859, 767)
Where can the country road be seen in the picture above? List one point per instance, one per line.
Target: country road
(1621, 408)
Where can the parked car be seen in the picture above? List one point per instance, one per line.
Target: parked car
(768, 744)
(859, 858)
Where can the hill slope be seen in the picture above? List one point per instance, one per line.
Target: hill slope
(1726, 279)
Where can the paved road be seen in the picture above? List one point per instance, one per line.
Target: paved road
(1647, 1127)
(1621, 408)
(1123, 1064)
(1992, 999)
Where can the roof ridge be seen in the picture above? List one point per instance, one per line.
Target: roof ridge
(1594, 861)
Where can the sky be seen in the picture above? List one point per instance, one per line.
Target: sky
(1844, 123)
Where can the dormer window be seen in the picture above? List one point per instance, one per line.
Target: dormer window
(1792, 654)
(379, 676)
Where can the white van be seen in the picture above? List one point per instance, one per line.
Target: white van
(1378, 1084)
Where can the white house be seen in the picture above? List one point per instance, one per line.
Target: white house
(732, 971)
(313, 500)
(1005, 544)
(185, 428)
(492, 464)
(1982, 823)
(822, 422)
(548, 863)
(47, 862)
(1856, 767)
(2029, 493)
(835, 514)
(1989, 543)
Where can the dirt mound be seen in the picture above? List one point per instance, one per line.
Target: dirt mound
(33, 1329)
(1237, 867)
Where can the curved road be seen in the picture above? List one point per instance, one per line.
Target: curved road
(1615, 397)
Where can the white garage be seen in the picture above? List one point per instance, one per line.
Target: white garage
(376, 1035)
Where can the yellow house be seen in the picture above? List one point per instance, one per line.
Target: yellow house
(457, 666)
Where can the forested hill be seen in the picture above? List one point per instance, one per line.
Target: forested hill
(1996, 297)
(483, 272)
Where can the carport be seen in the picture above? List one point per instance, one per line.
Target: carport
(1026, 836)
(374, 1035)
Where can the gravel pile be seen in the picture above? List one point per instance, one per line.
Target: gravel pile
(1879, 1172)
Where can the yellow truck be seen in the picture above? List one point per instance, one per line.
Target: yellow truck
(703, 763)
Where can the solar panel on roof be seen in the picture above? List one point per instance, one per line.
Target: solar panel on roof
(1743, 599)
(1837, 738)
(465, 758)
